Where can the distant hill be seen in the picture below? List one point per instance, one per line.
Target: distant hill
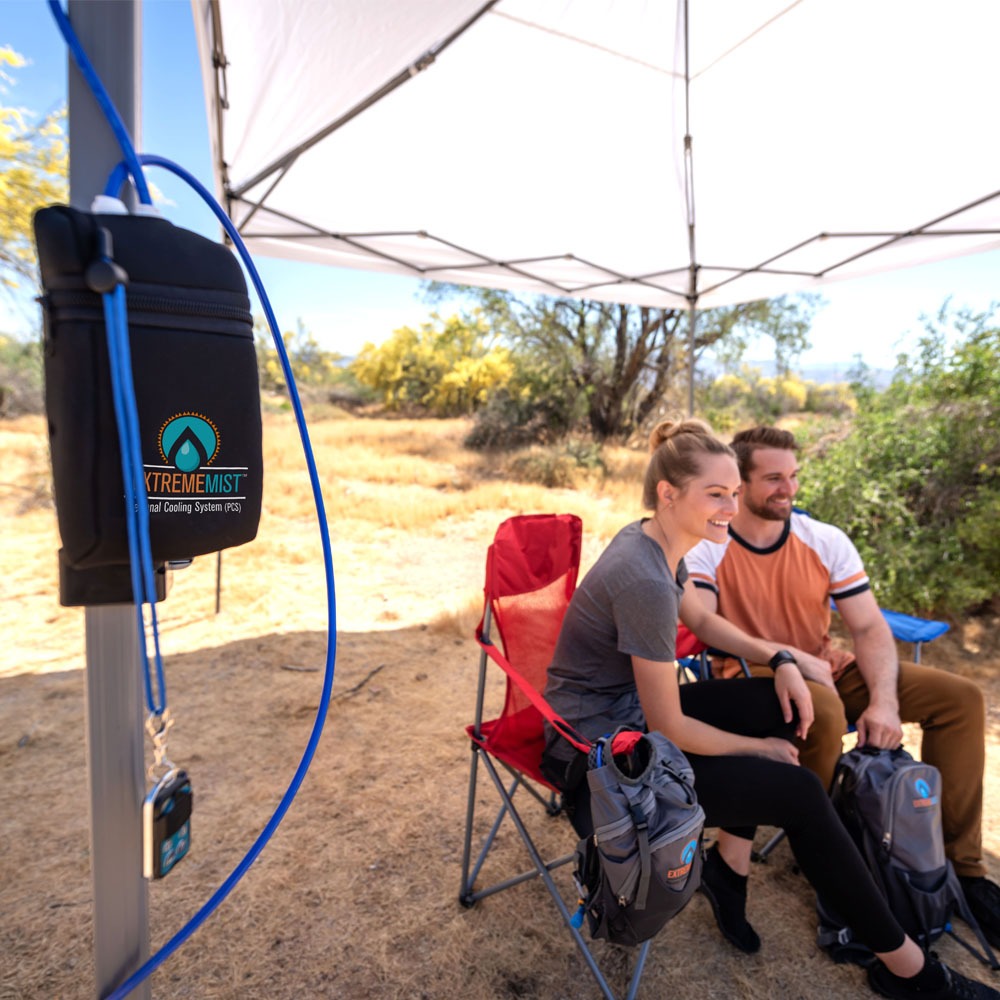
(835, 371)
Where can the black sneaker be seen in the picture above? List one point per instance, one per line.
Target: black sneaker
(726, 891)
(983, 897)
(954, 986)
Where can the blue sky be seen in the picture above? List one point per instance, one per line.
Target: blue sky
(875, 316)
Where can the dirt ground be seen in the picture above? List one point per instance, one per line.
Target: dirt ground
(356, 894)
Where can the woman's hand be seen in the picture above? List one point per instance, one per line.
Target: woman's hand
(790, 687)
(776, 748)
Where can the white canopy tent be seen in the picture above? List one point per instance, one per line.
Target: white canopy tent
(661, 152)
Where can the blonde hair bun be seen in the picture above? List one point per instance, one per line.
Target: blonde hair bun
(667, 429)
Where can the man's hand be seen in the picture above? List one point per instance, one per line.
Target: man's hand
(814, 668)
(790, 687)
(879, 727)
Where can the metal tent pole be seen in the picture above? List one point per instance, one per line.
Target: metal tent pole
(692, 295)
(109, 31)
(692, 326)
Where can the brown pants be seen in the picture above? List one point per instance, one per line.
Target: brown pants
(952, 714)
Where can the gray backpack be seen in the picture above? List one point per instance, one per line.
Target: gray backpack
(891, 805)
(643, 862)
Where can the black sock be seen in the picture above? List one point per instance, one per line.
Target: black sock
(929, 979)
(728, 894)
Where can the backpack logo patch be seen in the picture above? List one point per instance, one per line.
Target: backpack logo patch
(924, 799)
(687, 859)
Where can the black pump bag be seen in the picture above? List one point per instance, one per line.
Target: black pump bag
(195, 373)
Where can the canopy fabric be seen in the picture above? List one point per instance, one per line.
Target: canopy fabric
(543, 145)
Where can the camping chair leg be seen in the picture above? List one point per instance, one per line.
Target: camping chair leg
(765, 851)
(468, 897)
(550, 803)
(541, 870)
(640, 963)
(487, 844)
(467, 846)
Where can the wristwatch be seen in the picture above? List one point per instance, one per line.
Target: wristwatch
(782, 656)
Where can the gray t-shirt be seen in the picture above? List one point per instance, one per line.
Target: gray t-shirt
(626, 606)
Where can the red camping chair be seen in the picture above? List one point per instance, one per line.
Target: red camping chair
(694, 657)
(531, 573)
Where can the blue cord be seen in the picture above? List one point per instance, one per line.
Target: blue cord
(126, 414)
(102, 98)
(136, 501)
(238, 872)
(138, 527)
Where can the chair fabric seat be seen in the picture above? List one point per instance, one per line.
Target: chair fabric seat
(518, 740)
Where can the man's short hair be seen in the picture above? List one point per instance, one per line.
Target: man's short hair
(747, 442)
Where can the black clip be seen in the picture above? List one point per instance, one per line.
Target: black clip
(103, 275)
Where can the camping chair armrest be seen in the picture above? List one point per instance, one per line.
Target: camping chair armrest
(556, 721)
(722, 654)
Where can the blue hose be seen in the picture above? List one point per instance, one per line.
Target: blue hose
(220, 894)
(139, 532)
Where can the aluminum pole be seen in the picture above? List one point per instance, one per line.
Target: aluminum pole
(110, 33)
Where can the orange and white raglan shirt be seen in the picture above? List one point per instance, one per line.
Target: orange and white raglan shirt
(782, 593)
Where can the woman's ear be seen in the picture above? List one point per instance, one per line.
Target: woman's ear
(665, 491)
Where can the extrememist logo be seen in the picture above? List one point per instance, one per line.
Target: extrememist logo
(924, 797)
(687, 859)
(184, 484)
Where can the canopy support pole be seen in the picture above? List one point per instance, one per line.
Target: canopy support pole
(692, 295)
(692, 328)
(110, 33)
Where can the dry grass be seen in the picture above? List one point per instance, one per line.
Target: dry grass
(356, 895)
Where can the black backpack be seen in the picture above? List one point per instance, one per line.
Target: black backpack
(891, 805)
(643, 862)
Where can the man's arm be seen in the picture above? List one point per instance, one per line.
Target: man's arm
(715, 631)
(875, 651)
(698, 611)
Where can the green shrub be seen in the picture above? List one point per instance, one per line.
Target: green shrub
(557, 467)
(749, 397)
(915, 484)
(20, 376)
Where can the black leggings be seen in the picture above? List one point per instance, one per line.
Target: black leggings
(740, 793)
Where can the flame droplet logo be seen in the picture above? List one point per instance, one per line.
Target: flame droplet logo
(188, 441)
(688, 856)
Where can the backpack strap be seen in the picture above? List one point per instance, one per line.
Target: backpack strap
(839, 944)
(645, 857)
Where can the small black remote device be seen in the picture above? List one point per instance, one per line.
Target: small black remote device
(166, 824)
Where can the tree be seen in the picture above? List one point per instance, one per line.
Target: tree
(33, 172)
(619, 359)
(311, 365)
(727, 333)
(447, 367)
